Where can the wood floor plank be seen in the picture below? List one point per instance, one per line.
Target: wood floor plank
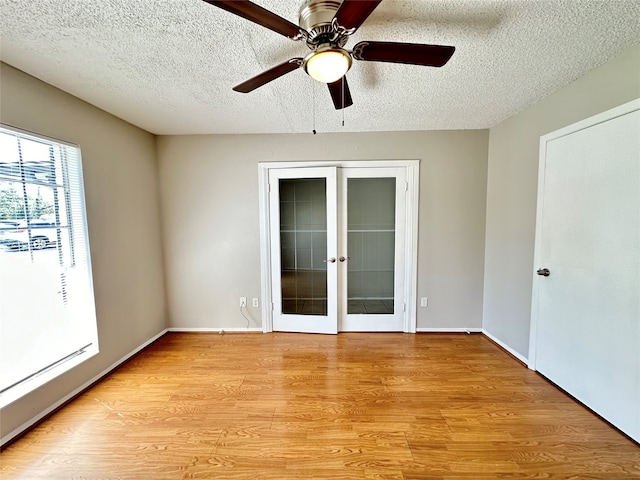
(296, 406)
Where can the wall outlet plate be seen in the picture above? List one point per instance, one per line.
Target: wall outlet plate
(243, 301)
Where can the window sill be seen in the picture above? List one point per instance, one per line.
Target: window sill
(29, 386)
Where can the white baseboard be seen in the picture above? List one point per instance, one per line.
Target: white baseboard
(213, 330)
(448, 330)
(78, 390)
(519, 356)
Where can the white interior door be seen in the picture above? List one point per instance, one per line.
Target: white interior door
(585, 333)
(371, 246)
(303, 233)
(338, 249)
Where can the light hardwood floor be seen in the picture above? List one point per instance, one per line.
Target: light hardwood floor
(295, 406)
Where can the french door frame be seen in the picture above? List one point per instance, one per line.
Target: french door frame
(411, 224)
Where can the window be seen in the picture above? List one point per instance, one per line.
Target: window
(47, 308)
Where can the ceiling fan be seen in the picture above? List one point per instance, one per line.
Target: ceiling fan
(325, 26)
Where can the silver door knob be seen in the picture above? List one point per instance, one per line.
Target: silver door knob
(330, 260)
(543, 272)
(342, 259)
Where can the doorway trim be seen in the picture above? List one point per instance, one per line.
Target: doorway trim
(411, 252)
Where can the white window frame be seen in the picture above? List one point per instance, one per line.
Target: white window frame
(79, 248)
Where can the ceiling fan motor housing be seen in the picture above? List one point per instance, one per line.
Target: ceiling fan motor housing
(316, 17)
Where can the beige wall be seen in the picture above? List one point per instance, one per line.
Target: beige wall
(512, 189)
(209, 197)
(209, 191)
(121, 188)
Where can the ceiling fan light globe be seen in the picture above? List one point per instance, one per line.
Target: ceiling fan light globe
(328, 66)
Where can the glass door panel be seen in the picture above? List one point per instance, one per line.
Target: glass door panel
(371, 245)
(303, 245)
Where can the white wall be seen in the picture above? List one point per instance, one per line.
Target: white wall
(121, 187)
(512, 190)
(209, 192)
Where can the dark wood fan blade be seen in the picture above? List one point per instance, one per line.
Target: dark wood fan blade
(269, 75)
(340, 94)
(352, 13)
(411, 53)
(257, 14)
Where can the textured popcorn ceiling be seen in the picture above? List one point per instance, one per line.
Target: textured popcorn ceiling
(168, 66)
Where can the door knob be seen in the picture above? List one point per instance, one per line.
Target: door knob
(544, 272)
(342, 259)
(330, 260)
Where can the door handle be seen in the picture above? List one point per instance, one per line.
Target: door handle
(330, 260)
(543, 272)
(342, 259)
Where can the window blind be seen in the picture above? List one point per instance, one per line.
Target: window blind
(47, 307)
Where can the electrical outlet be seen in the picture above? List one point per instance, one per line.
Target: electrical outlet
(243, 301)
(255, 303)
(424, 302)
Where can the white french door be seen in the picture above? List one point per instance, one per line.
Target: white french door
(371, 216)
(304, 244)
(338, 249)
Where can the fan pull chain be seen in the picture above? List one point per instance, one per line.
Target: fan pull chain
(342, 85)
(314, 106)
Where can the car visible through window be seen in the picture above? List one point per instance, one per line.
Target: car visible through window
(19, 235)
